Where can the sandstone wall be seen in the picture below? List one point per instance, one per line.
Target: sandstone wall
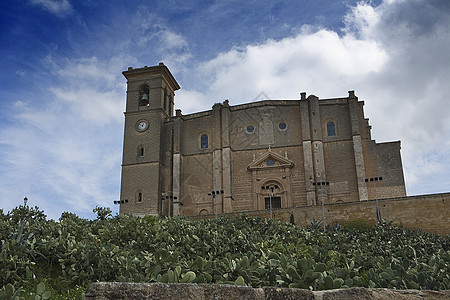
(427, 212)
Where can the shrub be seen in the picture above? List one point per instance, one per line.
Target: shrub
(70, 254)
(358, 225)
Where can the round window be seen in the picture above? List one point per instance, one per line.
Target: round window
(282, 126)
(270, 162)
(250, 128)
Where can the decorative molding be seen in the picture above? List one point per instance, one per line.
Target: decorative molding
(279, 162)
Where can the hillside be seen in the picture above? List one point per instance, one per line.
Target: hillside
(70, 254)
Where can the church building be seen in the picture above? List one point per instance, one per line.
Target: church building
(279, 153)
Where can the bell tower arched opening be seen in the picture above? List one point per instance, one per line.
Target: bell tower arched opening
(144, 95)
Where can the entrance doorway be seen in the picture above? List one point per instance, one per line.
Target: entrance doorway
(276, 202)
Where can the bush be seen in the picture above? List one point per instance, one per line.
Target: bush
(70, 254)
(358, 225)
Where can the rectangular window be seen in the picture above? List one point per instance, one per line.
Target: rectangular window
(276, 202)
(204, 141)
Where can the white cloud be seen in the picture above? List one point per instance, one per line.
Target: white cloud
(91, 89)
(191, 101)
(172, 40)
(174, 49)
(58, 7)
(64, 143)
(67, 150)
(360, 20)
(156, 37)
(319, 62)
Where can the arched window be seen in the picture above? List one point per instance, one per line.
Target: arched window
(203, 212)
(331, 129)
(204, 141)
(139, 197)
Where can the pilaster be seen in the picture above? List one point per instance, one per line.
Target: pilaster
(217, 155)
(226, 160)
(227, 181)
(307, 150)
(357, 146)
(318, 159)
(177, 166)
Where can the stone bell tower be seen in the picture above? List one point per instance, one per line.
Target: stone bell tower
(150, 101)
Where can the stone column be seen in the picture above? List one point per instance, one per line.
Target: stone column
(176, 189)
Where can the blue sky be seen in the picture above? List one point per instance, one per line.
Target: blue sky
(63, 95)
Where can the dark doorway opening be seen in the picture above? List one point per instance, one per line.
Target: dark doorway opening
(276, 202)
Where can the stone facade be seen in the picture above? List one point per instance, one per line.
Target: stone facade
(288, 153)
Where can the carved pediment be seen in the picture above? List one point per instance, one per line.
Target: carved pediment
(270, 160)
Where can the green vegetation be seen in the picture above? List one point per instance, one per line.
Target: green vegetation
(41, 257)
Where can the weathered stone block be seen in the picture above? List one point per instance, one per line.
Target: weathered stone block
(162, 291)
(274, 293)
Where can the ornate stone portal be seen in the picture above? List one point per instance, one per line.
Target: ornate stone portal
(271, 170)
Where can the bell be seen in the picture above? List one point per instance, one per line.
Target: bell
(144, 97)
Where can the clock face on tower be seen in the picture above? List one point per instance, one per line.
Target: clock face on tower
(141, 125)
